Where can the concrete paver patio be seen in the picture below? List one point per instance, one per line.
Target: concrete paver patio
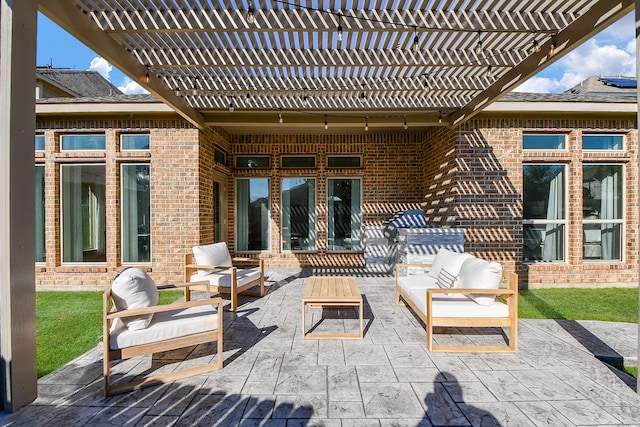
(272, 377)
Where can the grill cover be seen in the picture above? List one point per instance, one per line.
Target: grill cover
(413, 218)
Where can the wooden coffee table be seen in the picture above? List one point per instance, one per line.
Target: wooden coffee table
(332, 292)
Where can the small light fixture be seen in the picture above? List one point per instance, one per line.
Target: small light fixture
(280, 120)
(326, 125)
(195, 89)
(231, 109)
(552, 46)
(478, 49)
(489, 73)
(366, 124)
(145, 77)
(305, 101)
(439, 116)
(363, 95)
(339, 28)
(536, 46)
(406, 126)
(250, 16)
(416, 40)
(177, 92)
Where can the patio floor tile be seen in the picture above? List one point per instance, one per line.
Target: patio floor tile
(273, 378)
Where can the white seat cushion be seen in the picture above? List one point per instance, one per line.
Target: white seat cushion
(223, 277)
(216, 254)
(165, 326)
(452, 261)
(133, 288)
(417, 282)
(456, 305)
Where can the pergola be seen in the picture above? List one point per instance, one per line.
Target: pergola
(270, 66)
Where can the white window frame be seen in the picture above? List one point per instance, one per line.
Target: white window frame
(122, 165)
(334, 251)
(565, 221)
(83, 150)
(622, 221)
(138, 150)
(595, 150)
(76, 263)
(235, 202)
(554, 150)
(315, 179)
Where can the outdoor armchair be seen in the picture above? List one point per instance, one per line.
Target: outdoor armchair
(225, 275)
(134, 325)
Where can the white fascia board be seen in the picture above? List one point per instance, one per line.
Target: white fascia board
(563, 107)
(103, 108)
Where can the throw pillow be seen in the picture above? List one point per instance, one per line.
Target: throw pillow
(216, 254)
(480, 274)
(446, 279)
(449, 259)
(133, 288)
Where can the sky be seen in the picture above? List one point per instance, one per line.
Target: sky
(610, 53)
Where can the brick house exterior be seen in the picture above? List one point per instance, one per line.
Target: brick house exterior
(469, 177)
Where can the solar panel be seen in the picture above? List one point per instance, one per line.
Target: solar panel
(621, 83)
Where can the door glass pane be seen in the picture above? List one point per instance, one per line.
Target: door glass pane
(298, 214)
(83, 213)
(345, 216)
(40, 236)
(136, 214)
(253, 204)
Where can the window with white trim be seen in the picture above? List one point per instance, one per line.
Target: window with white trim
(344, 221)
(544, 212)
(136, 213)
(253, 204)
(603, 211)
(299, 214)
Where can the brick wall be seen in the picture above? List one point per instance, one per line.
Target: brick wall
(489, 186)
(391, 181)
(175, 195)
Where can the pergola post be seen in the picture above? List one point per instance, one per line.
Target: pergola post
(18, 378)
(637, 13)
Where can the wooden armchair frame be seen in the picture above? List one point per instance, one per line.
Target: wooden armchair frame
(110, 355)
(190, 268)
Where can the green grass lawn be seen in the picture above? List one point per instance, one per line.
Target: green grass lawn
(611, 304)
(70, 323)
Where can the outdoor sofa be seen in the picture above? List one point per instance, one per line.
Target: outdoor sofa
(460, 290)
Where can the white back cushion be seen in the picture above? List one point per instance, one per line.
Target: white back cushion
(477, 273)
(449, 259)
(216, 254)
(133, 288)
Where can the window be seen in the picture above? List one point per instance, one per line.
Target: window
(83, 213)
(545, 217)
(219, 156)
(298, 162)
(253, 162)
(40, 202)
(602, 207)
(602, 142)
(129, 141)
(342, 162)
(299, 214)
(252, 204)
(83, 142)
(39, 142)
(345, 215)
(136, 213)
(531, 141)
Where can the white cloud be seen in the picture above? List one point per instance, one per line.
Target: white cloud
(101, 66)
(539, 85)
(129, 87)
